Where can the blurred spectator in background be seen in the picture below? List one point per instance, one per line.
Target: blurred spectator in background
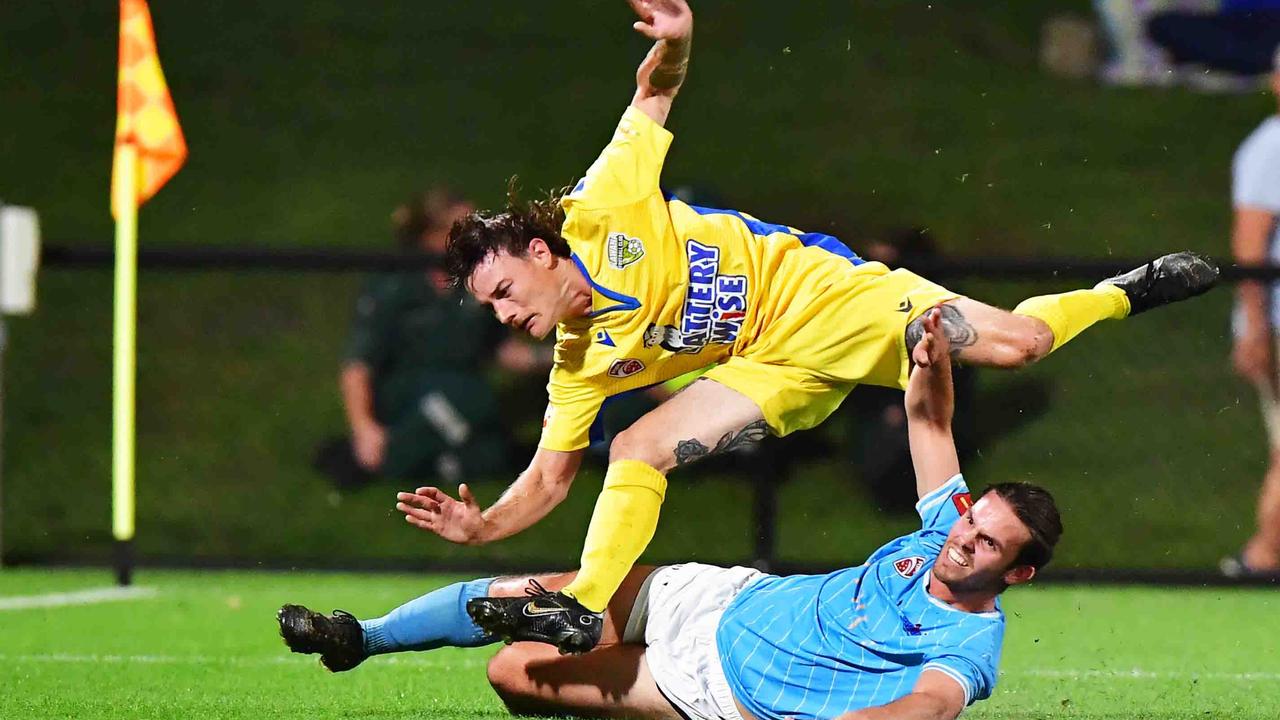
(1239, 38)
(1133, 58)
(1255, 239)
(413, 383)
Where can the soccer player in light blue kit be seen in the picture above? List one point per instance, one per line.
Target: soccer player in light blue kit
(913, 633)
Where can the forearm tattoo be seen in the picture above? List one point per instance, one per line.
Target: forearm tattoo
(689, 450)
(960, 333)
(675, 63)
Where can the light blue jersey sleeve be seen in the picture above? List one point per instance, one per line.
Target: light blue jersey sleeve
(972, 663)
(940, 509)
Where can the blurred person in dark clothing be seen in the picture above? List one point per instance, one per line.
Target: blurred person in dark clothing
(1239, 38)
(417, 401)
(1255, 240)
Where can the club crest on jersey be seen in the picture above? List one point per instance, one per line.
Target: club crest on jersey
(908, 566)
(625, 367)
(623, 250)
(963, 501)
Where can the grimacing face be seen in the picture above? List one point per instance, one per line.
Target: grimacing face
(980, 549)
(526, 293)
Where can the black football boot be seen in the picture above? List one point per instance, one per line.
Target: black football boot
(540, 616)
(338, 638)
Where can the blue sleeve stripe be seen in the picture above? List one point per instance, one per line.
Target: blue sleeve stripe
(758, 227)
(831, 245)
(954, 675)
(935, 498)
(625, 302)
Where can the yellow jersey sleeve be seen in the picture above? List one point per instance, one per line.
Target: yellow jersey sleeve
(572, 407)
(628, 169)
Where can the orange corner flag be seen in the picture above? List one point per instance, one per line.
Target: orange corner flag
(145, 117)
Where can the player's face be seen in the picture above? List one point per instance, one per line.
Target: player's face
(981, 548)
(525, 292)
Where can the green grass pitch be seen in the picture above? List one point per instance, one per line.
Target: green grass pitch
(204, 645)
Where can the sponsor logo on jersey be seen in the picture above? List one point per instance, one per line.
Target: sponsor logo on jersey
(625, 367)
(908, 566)
(714, 308)
(905, 306)
(963, 501)
(603, 338)
(669, 337)
(623, 250)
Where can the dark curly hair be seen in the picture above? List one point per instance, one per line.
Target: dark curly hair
(478, 235)
(1035, 507)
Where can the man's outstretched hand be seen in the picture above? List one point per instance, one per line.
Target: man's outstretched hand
(663, 19)
(429, 508)
(930, 396)
(934, 346)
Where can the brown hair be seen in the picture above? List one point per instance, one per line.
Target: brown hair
(1035, 507)
(479, 235)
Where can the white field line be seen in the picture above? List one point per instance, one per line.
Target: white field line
(1140, 674)
(92, 596)
(477, 661)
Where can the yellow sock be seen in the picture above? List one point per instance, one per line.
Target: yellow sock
(1068, 314)
(621, 527)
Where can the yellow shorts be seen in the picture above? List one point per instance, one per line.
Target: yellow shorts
(830, 325)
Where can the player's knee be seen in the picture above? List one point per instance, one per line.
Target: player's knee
(509, 677)
(1022, 345)
(631, 445)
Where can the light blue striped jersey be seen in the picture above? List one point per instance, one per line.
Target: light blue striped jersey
(815, 646)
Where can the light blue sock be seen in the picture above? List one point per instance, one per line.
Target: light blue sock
(437, 619)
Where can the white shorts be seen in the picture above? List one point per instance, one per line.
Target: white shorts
(685, 605)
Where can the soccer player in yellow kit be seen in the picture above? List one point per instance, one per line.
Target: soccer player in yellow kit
(640, 288)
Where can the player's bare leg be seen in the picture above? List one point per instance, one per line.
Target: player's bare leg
(984, 335)
(613, 680)
(706, 418)
(988, 336)
(608, 682)
(1261, 554)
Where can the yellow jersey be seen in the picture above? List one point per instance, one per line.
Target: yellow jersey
(675, 287)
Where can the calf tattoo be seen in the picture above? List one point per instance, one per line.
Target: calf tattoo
(692, 449)
(960, 333)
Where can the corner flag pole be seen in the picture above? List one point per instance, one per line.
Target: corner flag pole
(125, 356)
(149, 149)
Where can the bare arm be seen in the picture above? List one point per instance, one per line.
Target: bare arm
(368, 437)
(670, 24)
(935, 697)
(538, 490)
(930, 406)
(1252, 354)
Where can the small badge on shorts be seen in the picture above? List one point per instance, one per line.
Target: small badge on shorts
(623, 250)
(625, 367)
(908, 566)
